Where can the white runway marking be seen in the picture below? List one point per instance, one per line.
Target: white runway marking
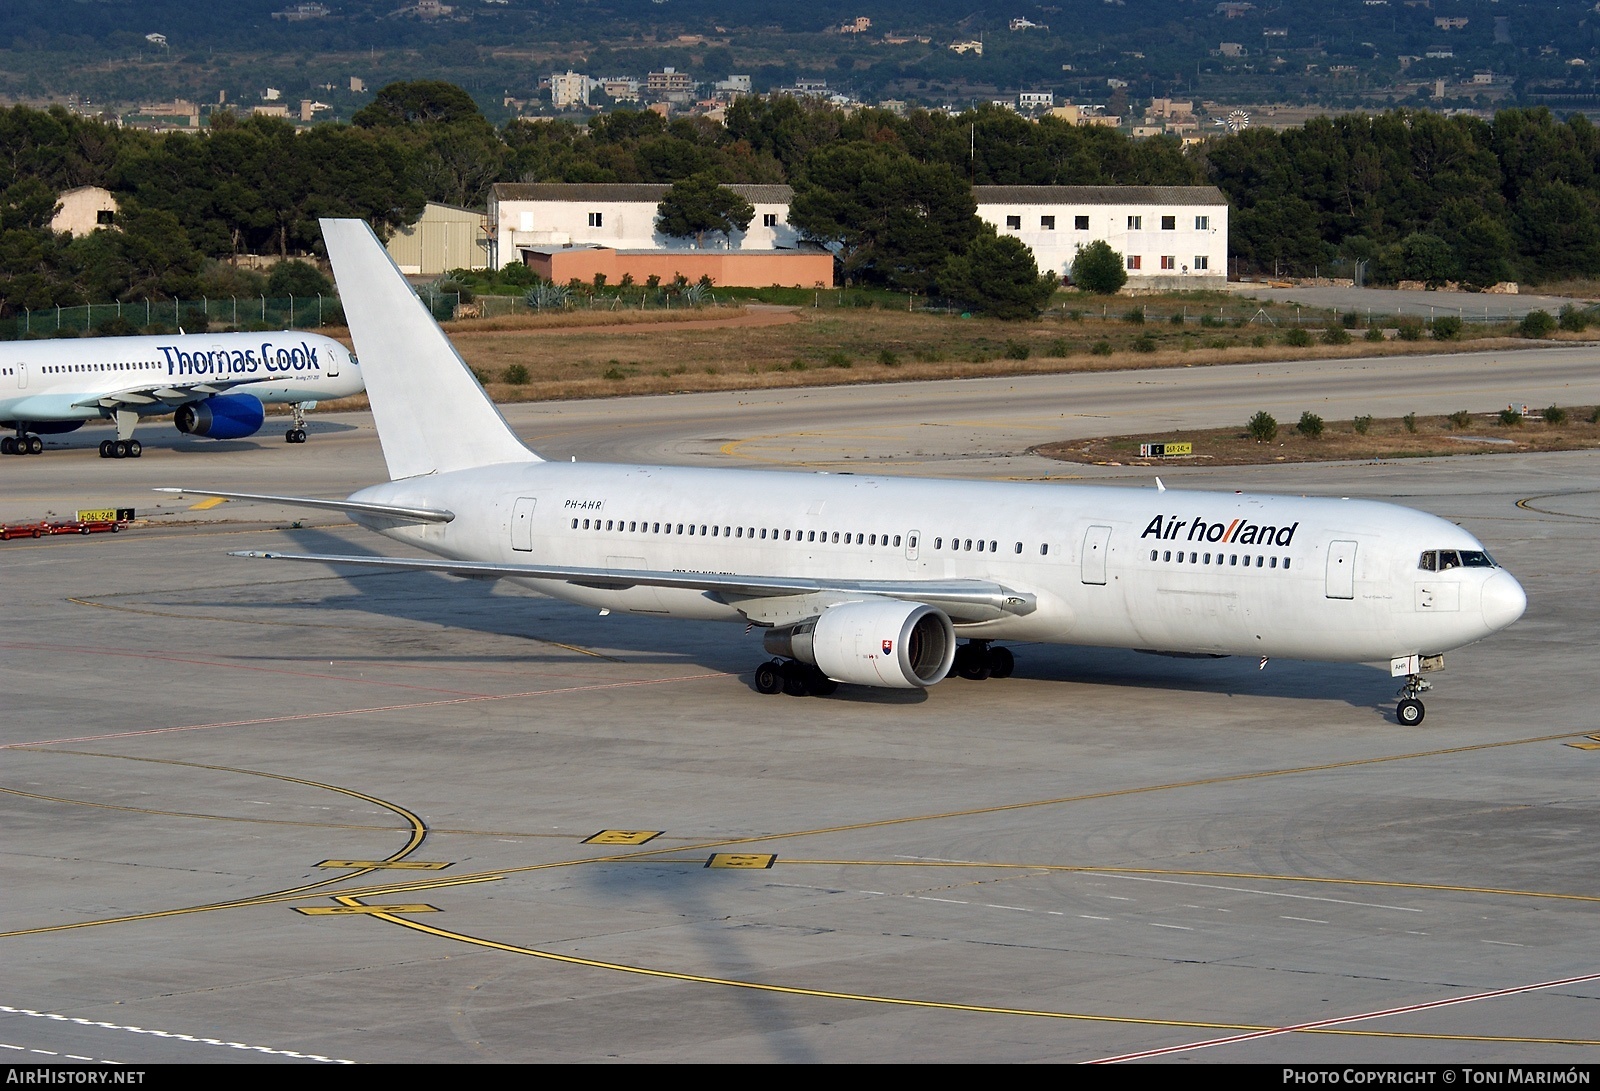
(167, 1034)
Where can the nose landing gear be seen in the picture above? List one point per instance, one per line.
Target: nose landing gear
(297, 432)
(1410, 711)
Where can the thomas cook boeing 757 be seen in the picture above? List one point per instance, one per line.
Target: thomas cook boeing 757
(214, 385)
(883, 581)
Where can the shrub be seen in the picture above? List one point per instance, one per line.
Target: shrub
(653, 281)
(1259, 341)
(1363, 425)
(481, 375)
(1075, 315)
(298, 278)
(1310, 425)
(1060, 347)
(1219, 343)
(837, 359)
(1461, 418)
(1144, 343)
(888, 359)
(1410, 421)
(1098, 269)
(1594, 417)
(1177, 318)
(1350, 320)
(1297, 338)
(1135, 315)
(1263, 427)
(1555, 415)
(614, 373)
(929, 356)
(516, 375)
(1373, 334)
(797, 364)
(1411, 331)
(1018, 350)
(1537, 324)
(1572, 319)
(1335, 335)
(1446, 327)
(1510, 418)
(626, 281)
(1212, 321)
(599, 280)
(1101, 348)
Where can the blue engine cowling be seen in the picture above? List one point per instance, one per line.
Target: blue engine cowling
(226, 416)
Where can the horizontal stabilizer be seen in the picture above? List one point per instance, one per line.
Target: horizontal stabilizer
(392, 511)
(968, 600)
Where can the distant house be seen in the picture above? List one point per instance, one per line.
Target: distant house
(84, 210)
(974, 47)
(1035, 100)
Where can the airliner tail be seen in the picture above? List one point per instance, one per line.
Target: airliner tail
(432, 415)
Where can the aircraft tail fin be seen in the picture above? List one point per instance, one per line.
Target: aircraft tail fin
(432, 415)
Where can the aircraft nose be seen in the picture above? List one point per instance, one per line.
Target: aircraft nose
(1503, 600)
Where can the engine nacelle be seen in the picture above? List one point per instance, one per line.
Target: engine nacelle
(226, 416)
(896, 645)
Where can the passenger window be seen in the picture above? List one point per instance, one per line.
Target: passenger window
(633, 525)
(1260, 561)
(1274, 563)
(574, 524)
(714, 532)
(1168, 556)
(1019, 547)
(680, 528)
(912, 543)
(1044, 548)
(702, 529)
(586, 524)
(873, 540)
(968, 545)
(980, 545)
(1180, 556)
(938, 543)
(726, 531)
(994, 547)
(897, 540)
(1152, 554)
(691, 528)
(1286, 562)
(860, 539)
(658, 528)
(836, 537)
(811, 536)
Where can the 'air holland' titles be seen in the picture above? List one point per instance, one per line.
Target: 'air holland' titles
(1239, 532)
(217, 361)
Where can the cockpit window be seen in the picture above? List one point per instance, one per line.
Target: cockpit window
(1443, 560)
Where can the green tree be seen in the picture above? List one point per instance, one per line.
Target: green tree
(297, 278)
(997, 276)
(1098, 268)
(697, 204)
(888, 219)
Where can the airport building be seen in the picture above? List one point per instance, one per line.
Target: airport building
(445, 237)
(578, 229)
(1170, 237)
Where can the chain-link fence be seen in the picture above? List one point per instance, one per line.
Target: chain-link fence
(172, 315)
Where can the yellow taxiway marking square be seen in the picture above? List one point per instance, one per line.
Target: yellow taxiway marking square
(413, 865)
(742, 859)
(207, 505)
(623, 837)
(349, 910)
(1584, 745)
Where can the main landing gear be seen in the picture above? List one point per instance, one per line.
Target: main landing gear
(23, 443)
(793, 677)
(975, 660)
(297, 431)
(1410, 711)
(121, 448)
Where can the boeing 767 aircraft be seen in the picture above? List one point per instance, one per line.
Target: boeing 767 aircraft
(214, 385)
(876, 581)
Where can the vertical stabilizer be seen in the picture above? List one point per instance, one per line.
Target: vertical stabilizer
(432, 415)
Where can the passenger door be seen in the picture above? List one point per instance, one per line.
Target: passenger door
(1341, 570)
(522, 524)
(1096, 544)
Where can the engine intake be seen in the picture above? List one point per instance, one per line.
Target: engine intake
(894, 645)
(226, 416)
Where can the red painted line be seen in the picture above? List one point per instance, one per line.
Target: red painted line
(364, 711)
(1228, 537)
(1319, 1024)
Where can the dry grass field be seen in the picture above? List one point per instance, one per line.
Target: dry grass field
(1462, 433)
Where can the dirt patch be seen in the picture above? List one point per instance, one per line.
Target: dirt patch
(1425, 437)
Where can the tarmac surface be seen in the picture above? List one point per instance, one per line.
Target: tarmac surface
(276, 816)
(1469, 306)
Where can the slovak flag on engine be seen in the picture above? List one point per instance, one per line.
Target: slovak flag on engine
(888, 646)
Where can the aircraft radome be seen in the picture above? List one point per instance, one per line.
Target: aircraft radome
(873, 581)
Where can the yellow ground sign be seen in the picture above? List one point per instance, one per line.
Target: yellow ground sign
(623, 837)
(755, 860)
(1165, 450)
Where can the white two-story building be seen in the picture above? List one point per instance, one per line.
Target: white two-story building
(622, 216)
(1170, 237)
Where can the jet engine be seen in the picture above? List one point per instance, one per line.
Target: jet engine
(226, 416)
(882, 642)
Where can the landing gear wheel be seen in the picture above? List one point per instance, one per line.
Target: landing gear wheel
(295, 435)
(35, 445)
(1001, 662)
(1409, 712)
(769, 678)
(119, 449)
(820, 684)
(794, 680)
(135, 448)
(8, 446)
(106, 446)
(972, 660)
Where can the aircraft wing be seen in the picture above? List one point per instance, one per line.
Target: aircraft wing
(963, 600)
(392, 511)
(166, 394)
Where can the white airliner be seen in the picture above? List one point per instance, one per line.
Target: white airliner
(873, 580)
(214, 385)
